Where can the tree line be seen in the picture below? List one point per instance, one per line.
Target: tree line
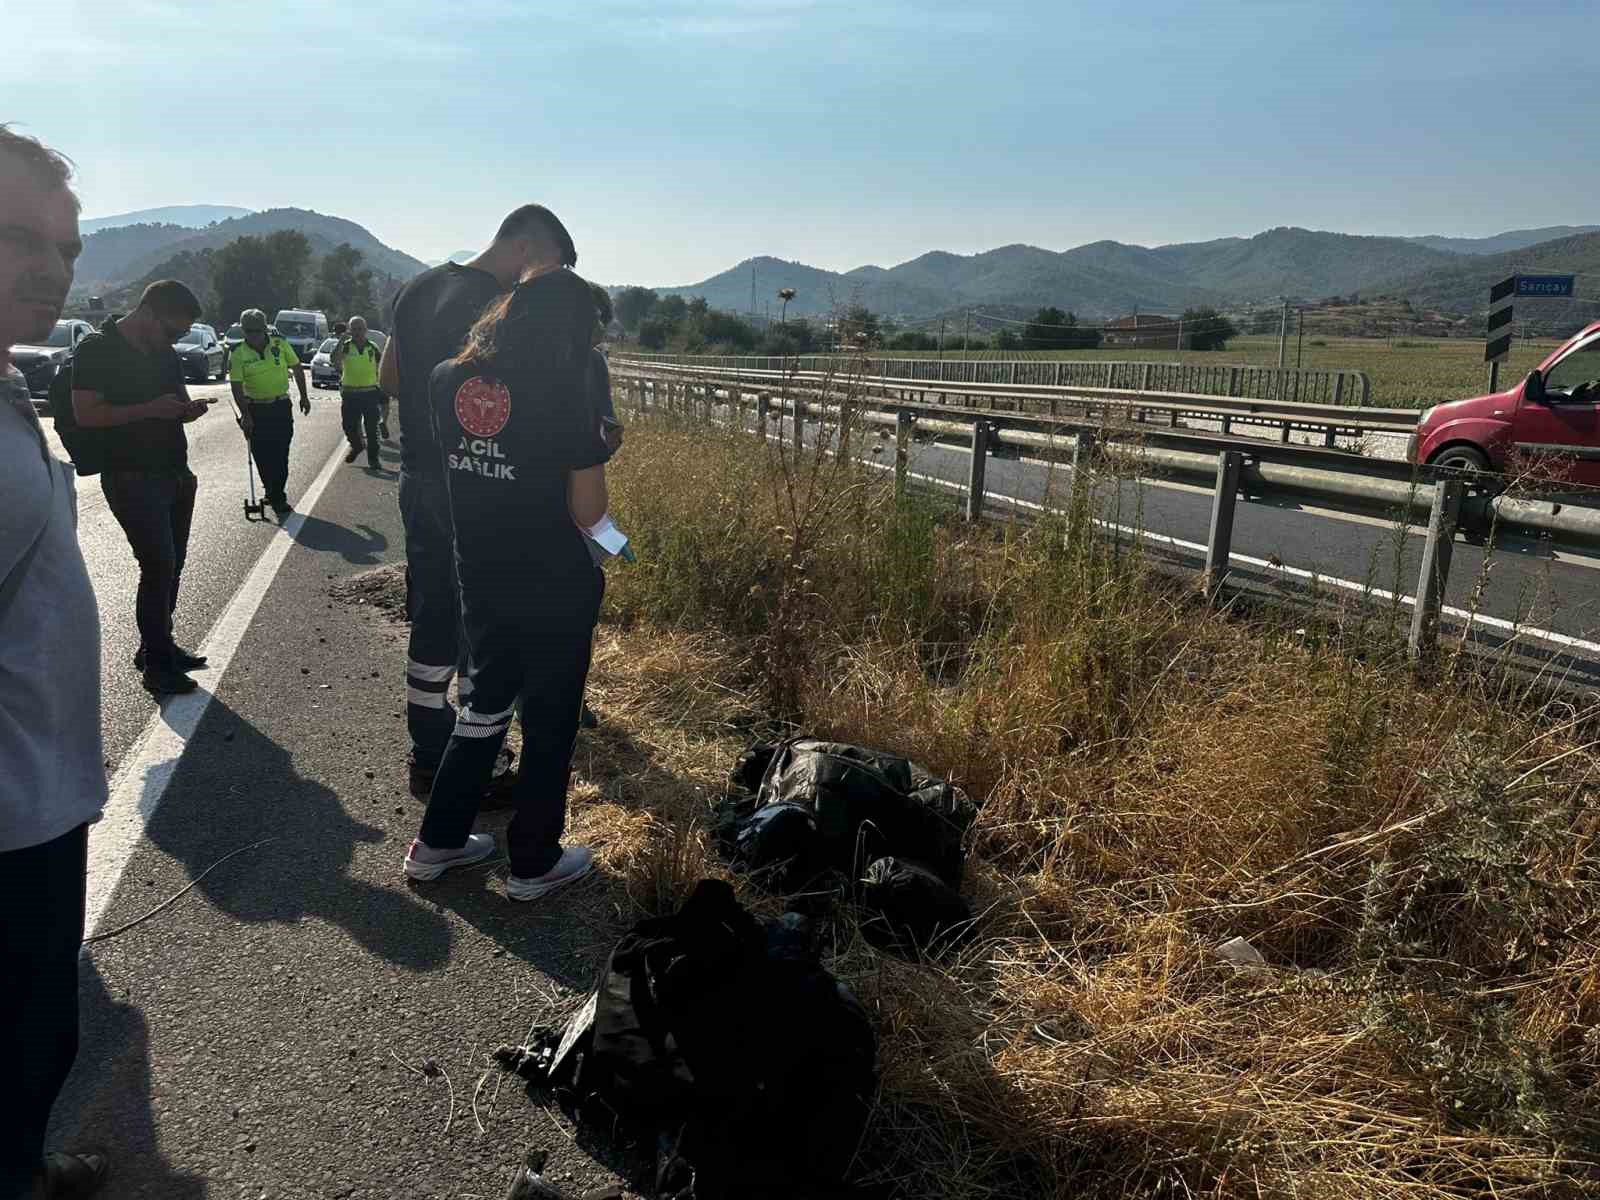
(271, 272)
(672, 323)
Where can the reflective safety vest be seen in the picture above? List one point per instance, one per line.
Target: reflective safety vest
(359, 370)
(265, 372)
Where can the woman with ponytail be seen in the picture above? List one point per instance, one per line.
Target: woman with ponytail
(524, 462)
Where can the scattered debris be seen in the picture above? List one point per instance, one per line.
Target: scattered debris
(1243, 955)
(120, 929)
(384, 588)
(430, 1069)
(530, 1183)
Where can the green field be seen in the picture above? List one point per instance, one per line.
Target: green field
(1405, 372)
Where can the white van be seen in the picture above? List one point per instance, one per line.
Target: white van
(304, 329)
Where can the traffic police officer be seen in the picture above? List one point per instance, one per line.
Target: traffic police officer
(259, 372)
(356, 360)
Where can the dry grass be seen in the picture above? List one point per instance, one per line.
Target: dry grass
(1417, 867)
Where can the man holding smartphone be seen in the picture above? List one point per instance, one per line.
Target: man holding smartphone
(128, 381)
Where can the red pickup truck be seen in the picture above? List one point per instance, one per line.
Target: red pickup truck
(1546, 426)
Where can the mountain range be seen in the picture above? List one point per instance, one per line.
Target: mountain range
(1108, 279)
(189, 216)
(1098, 280)
(118, 255)
(1462, 284)
(1512, 239)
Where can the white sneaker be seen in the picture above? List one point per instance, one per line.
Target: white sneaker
(576, 862)
(424, 862)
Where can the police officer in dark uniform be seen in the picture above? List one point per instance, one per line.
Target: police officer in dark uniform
(524, 464)
(259, 371)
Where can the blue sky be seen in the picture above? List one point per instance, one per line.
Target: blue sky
(678, 138)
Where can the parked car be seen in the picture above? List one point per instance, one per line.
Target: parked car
(38, 363)
(304, 329)
(1546, 424)
(202, 354)
(234, 338)
(322, 373)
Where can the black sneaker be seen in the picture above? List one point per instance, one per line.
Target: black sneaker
(184, 660)
(168, 682)
(282, 507)
(355, 449)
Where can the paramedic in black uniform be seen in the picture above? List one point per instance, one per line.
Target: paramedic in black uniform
(524, 467)
(429, 323)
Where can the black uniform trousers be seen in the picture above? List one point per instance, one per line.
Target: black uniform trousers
(42, 897)
(155, 510)
(433, 608)
(269, 443)
(539, 676)
(358, 409)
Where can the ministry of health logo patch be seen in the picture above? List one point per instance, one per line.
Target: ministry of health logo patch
(483, 406)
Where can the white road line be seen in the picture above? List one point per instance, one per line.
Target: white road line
(1461, 614)
(141, 781)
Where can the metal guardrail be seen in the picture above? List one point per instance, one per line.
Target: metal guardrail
(1444, 498)
(1294, 385)
(1330, 421)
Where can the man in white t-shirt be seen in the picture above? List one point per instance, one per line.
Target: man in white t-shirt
(52, 769)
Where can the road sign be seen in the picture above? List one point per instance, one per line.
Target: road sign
(1546, 287)
(1497, 335)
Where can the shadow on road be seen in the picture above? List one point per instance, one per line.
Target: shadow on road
(568, 935)
(563, 937)
(362, 546)
(235, 787)
(107, 1101)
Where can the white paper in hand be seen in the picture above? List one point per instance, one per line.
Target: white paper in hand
(605, 534)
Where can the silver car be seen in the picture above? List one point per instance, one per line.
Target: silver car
(322, 373)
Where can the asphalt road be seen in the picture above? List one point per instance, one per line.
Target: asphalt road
(223, 545)
(264, 1035)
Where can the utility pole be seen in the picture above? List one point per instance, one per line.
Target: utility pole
(1299, 335)
(1283, 332)
(941, 337)
(752, 289)
(967, 332)
(1180, 333)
